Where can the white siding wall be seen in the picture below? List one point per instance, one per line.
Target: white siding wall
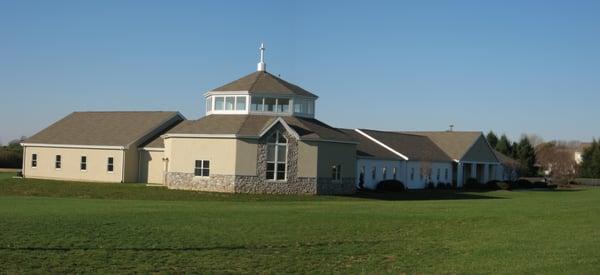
(419, 182)
(404, 169)
(371, 182)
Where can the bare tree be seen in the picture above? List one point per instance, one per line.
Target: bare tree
(534, 139)
(558, 162)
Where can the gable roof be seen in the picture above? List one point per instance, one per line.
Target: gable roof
(368, 148)
(504, 159)
(103, 128)
(251, 126)
(414, 147)
(261, 82)
(455, 144)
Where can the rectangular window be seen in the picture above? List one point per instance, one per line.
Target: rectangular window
(209, 104)
(270, 104)
(240, 103)
(34, 160)
(311, 107)
(283, 105)
(438, 174)
(202, 168)
(229, 103)
(374, 172)
(384, 173)
(219, 103)
(412, 173)
(257, 104)
(336, 172)
(58, 162)
(110, 167)
(83, 164)
(446, 174)
(394, 173)
(298, 105)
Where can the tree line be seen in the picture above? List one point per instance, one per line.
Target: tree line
(522, 151)
(11, 155)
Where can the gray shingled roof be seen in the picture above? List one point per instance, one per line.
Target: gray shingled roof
(414, 147)
(253, 125)
(369, 149)
(261, 82)
(102, 128)
(454, 144)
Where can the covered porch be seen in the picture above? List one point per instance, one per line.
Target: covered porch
(483, 172)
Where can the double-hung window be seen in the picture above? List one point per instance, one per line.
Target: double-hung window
(446, 174)
(336, 172)
(374, 172)
(34, 160)
(202, 168)
(438, 174)
(384, 173)
(58, 162)
(276, 156)
(412, 173)
(83, 164)
(394, 173)
(110, 165)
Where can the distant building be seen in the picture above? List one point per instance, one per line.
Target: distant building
(259, 135)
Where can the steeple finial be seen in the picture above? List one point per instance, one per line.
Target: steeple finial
(261, 65)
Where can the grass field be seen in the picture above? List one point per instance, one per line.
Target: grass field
(60, 227)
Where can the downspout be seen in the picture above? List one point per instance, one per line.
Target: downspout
(123, 167)
(23, 162)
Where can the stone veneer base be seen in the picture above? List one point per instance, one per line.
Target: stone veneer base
(256, 185)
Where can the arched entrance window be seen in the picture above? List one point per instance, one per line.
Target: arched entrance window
(276, 156)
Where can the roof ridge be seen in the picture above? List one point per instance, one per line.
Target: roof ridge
(393, 132)
(259, 75)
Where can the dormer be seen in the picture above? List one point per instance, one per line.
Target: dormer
(261, 93)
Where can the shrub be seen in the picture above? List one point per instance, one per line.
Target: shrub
(430, 185)
(390, 185)
(440, 185)
(502, 185)
(523, 183)
(492, 185)
(472, 183)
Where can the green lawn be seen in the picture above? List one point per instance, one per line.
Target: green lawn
(59, 227)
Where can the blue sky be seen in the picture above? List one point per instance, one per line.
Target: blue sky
(509, 66)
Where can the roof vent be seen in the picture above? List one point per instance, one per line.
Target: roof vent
(261, 66)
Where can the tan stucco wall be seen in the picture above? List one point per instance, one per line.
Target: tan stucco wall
(480, 152)
(70, 164)
(151, 167)
(246, 158)
(132, 165)
(183, 152)
(307, 159)
(330, 154)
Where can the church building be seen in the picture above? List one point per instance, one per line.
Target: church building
(259, 135)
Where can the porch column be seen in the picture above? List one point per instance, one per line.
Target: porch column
(474, 170)
(459, 174)
(486, 173)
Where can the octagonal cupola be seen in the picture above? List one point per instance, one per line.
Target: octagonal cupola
(261, 93)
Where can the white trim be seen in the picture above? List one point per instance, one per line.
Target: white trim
(478, 162)
(73, 146)
(211, 93)
(285, 125)
(151, 149)
(381, 144)
(203, 136)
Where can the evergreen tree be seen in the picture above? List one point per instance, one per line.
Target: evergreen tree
(503, 146)
(526, 156)
(590, 165)
(514, 150)
(492, 139)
